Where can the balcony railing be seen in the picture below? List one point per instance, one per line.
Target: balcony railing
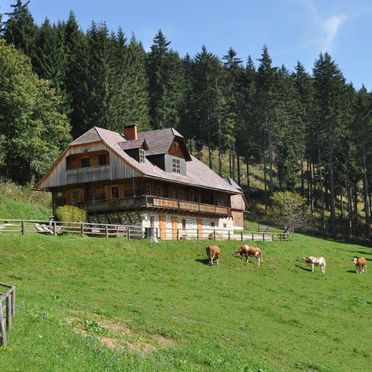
(89, 174)
(153, 202)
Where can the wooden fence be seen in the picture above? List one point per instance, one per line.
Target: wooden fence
(57, 228)
(7, 311)
(137, 232)
(218, 234)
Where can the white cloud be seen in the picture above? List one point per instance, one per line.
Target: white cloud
(331, 27)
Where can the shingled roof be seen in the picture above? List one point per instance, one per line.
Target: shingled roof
(158, 141)
(198, 174)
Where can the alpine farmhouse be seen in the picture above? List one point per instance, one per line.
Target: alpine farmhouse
(148, 179)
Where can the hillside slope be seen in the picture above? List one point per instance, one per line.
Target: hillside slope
(115, 304)
(21, 202)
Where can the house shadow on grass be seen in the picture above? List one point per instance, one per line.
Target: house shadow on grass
(204, 261)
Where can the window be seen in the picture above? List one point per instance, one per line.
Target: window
(115, 192)
(85, 162)
(102, 160)
(184, 224)
(141, 156)
(99, 193)
(224, 225)
(176, 165)
(75, 196)
(213, 224)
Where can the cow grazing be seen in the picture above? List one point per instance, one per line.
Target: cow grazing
(213, 253)
(248, 251)
(360, 264)
(316, 261)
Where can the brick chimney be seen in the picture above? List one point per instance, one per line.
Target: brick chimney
(130, 132)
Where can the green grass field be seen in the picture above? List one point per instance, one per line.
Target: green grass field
(96, 304)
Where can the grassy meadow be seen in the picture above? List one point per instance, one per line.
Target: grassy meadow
(97, 304)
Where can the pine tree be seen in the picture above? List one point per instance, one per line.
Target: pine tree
(291, 131)
(362, 134)
(265, 115)
(20, 28)
(99, 74)
(207, 120)
(329, 88)
(49, 57)
(164, 71)
(129, 82)
(76, 77)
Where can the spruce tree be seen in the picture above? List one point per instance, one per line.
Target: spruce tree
(329, 89)
(20, 28)
(164, 71)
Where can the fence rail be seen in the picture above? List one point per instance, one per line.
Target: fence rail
(137, 232)
(56, 228)
(7, 310)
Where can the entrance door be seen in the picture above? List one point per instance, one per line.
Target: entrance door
(174, 227)
(162, 227)
(199, 222)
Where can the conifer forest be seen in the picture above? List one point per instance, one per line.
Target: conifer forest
(309, 131)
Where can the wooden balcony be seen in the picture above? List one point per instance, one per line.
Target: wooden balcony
(155, 203)
(89, 174)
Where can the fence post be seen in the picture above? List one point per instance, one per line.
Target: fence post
(23, 227)
(252, 237)
(2, 326)
(178, 234)
(214, 234)
(263, 237)
(106, 231)
(54, 228)
(228, 235)
(241, 235)
(13, 301)
(82, 229)
(9, 311)
(128, 232)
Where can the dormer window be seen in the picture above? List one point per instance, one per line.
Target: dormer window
(141, 156)
(176, 165)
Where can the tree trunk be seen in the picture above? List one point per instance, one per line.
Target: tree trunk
(302, 179)
(271, 186)
(350, 207)
(233, 165)
(248, 181)
(355, 201)
(366, 201)
(265, 183)
(219, 161)
(230, 164)
(238, 167)
(210, 157)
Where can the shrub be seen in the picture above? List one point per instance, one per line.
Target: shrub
(69, 213)
(291, 209)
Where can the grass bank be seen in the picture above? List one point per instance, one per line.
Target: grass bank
(111, 304)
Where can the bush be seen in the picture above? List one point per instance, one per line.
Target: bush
(291, 209)
(69, 213)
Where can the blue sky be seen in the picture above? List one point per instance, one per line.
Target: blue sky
(292, 29)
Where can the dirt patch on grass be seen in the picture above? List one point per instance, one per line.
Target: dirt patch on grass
(118, 336)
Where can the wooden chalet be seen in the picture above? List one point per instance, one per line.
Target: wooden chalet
(147, 179)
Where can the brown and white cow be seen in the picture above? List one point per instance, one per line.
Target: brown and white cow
(250, 251)
(213, 253)
(360, 264)
(316, 261)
